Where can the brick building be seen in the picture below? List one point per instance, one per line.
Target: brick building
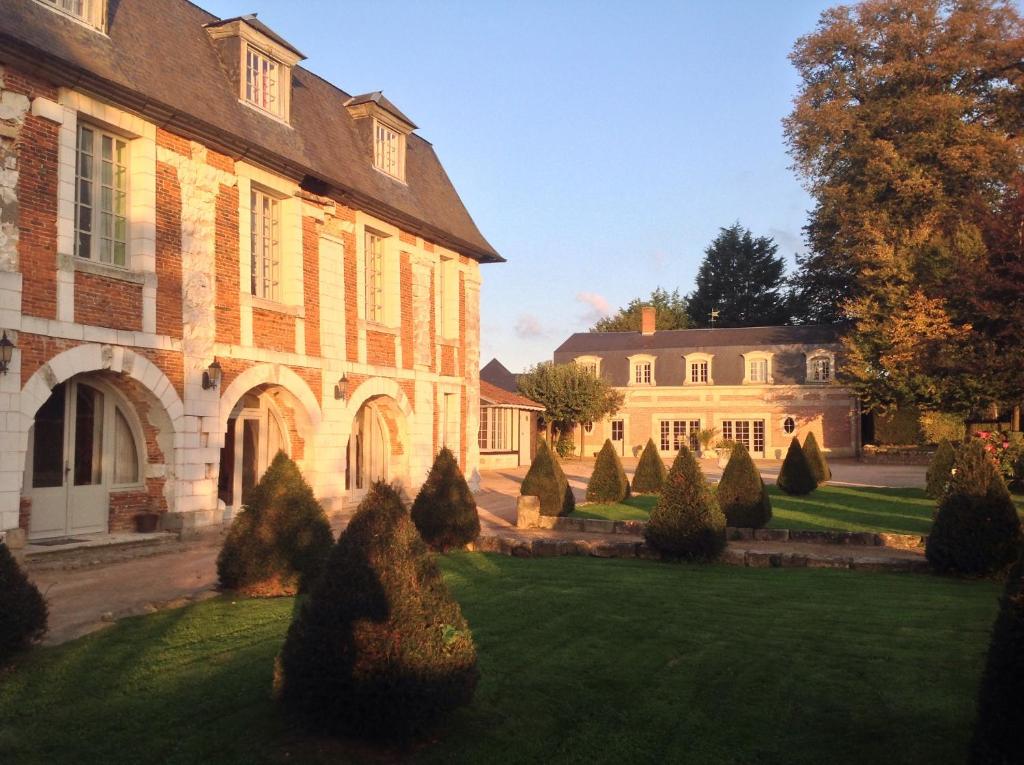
(207, 254)
(758, 385)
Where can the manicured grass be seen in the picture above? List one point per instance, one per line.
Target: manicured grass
(582, 660)
(842, 508)
(635, 508)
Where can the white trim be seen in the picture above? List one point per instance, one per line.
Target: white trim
(749, 358)
(634, 363)
(698, 358)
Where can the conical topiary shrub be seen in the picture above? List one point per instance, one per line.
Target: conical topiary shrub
(608, 482)
(546, 480)
(380, 649)
(940, 469)
(741, 492)
(976, 530)
(686, 521)
(816, 459)
(650, 471)
(1000, 725)
(444, 511)
(23, 612)
(279, 541)
(796, 476)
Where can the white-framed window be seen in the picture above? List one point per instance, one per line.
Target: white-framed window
(126, 451)
(373, 262)
(697, 369)
(750, 433)
(618, 430)
(757, 367)
(759, 371)
(101, 196)
(265, 245)
(677, 433)
(263, 82)
(820, 367)
(388, 150)
(642, 373)
(497, 429)
(88, 11)
(589, 364)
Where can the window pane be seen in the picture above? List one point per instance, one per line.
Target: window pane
(88, 436)
(126, 455)
(48, 442)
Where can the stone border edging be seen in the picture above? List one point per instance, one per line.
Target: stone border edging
(548, 547)
(636, 528)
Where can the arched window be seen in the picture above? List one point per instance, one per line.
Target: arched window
(126, 451)
(789, 426)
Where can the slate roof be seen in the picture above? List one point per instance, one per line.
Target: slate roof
(157, 59)
(492, 394)
(752, 337)
(497, 374)
(383, 102)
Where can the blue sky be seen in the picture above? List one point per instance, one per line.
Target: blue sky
(599, 146)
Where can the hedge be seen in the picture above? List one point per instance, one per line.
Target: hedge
(796, 476)
(546, 481)
(686, 521)
(649, 477)
(444, 511)
(608, 482)
(23, 612)
(741, 492)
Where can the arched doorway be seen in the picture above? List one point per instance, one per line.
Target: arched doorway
(369, 449)
(261, 424)
(84, 441)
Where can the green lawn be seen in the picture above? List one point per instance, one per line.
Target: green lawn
(582, 660)
(843, 508)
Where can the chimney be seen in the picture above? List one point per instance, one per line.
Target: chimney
(647, 320)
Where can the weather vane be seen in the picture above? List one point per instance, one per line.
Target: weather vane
(712, 316)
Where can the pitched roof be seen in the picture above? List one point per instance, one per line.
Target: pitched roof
(383, 102)
(492, 394)
(158, 60)
(584, 342)
(496, 373)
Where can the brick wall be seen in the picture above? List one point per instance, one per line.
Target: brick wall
(406, 329)
(380, 348)
(273, 330)
(311, 283)
(168, 251)
(104, 302)
(226, 253)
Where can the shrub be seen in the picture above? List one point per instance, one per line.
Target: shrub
(796, 476)
(444, 511)
(380, 649)
(565, 446)
(23, 612)
(742, 494)
(976, 530)
(279, 541)
(816, 459)
(941, 426)
(999, 730)
(650, 470)
(939, 470)
(686, 521)
(608, 482)
(546, 481)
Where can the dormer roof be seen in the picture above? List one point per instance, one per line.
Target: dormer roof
(371, 102)
(233, 26)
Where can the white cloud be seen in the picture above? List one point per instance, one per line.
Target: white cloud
(528, 326)
(597, 306)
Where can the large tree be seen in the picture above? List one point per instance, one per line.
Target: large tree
(670, 313)
(571, 395)
(907, 133)
(743, 279)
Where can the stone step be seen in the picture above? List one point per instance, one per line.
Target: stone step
(100, 551)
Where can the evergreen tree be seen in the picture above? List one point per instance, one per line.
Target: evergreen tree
(380, 649)
(743, 279)
(546, 481)
(742, 494)
(649, 477)
(444, 511)
(23, 612)
(940, 469)
(999, 731)
(795, 475)
(608, 482)
(669, 308)
(976, 531)
(278, 542)
(686, 522)
(816, 459)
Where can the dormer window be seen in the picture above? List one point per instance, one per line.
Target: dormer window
(757, 368)
(589, 364)
(389, 130)
(821, 366)
(263, 82)
(89, 12)
(259, 62)
(641, 368)
(698, 369)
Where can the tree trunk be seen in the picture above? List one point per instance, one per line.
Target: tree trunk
(1015, 419)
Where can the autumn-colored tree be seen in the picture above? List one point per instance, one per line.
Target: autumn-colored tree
(743, 279)
(669, 307)
(907, 133)
(571, 395)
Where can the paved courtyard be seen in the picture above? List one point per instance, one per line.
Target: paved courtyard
(85, 599)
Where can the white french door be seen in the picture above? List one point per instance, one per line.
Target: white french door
(67, 450)
(750, 433)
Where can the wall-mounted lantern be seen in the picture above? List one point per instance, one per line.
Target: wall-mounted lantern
(212, 375)
(341, 388)
(6, 353)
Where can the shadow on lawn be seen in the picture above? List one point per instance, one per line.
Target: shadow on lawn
(849, 508)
